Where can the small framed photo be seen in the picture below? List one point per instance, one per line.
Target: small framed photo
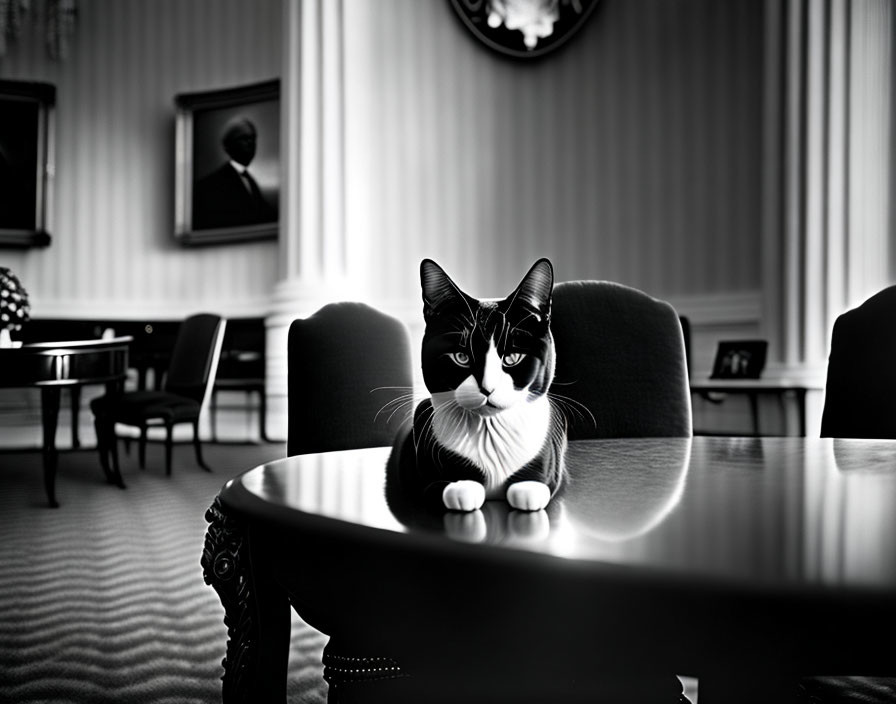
(26, 162)
(739, 359)
(227, 182)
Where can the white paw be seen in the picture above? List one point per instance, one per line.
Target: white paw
(465, 495)
(528, 496)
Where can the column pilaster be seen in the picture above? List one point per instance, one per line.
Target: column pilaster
(828, 132)
(312, 261)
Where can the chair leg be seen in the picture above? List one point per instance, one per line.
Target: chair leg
(198, 446)
(169, 444)
(263, 414)
(76, 407)
(213, 414)
(107, 447)
(113, 448)
(102, 444)
(142, 447)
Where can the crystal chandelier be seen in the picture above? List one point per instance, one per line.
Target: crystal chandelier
(59, 20)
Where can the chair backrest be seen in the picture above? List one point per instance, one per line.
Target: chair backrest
(860, 392)
(620, 355)
(243, 353)
(194, 359)
(350, 380)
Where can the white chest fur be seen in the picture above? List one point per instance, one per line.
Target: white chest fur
(499, 444)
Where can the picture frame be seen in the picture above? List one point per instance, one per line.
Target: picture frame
(27, 113)
(739, 359)
(216, 131)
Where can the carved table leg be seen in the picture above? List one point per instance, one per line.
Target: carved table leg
(255, 666)
(225, 566)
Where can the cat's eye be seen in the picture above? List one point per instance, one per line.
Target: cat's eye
(461, 359)
(511, 359)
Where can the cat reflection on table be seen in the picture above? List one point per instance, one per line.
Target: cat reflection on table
(496, 523)
(489, 430)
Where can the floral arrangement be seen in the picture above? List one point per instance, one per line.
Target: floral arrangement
(14, 306)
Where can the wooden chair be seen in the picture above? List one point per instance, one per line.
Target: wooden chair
(186, 389)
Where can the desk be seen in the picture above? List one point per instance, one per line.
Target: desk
(740, 561)
(753, 388)
(52, 365)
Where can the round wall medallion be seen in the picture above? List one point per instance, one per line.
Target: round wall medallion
(523, 28)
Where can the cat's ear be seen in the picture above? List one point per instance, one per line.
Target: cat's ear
(536, 287)
(437, 286)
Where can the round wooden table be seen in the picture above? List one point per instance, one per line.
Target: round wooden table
(50, 366)
(740, 561)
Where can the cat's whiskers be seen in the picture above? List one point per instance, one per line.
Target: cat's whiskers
(558, 432)
(460, 417)
(403, 406)
(396, 401)
(576, 408)
(425, 433)
(445, 411)
(453, 418)
(403, 402)
(566, 408)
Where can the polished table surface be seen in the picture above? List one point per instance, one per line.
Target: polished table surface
(712, 555)
(50, 366)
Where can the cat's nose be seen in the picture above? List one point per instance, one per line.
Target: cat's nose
(485, 392)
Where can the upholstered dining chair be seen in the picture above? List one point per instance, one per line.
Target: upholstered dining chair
(859, 402)
(622, 370)
(621, 362)
(184, 394)
(350, 380)
(860, 391)
(350, 385)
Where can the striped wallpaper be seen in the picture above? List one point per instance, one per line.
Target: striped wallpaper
(633, 153)
(630, 154)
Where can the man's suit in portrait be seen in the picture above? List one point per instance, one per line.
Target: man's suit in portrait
(224, 198)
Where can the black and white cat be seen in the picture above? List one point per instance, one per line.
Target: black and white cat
(489, 430)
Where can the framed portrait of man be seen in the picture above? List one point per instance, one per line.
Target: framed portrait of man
(227, 162)
(26, 146)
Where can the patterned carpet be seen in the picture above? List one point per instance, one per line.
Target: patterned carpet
(102, 600)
